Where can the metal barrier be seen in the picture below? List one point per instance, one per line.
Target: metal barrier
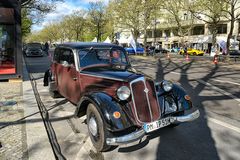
(224, 58)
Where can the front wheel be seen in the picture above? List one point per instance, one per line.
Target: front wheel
(96, 128)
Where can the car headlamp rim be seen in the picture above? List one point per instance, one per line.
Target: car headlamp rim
(167, 85)
(123, 93)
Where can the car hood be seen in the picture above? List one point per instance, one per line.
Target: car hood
(121, 75)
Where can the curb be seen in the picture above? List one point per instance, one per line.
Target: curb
(38, 145)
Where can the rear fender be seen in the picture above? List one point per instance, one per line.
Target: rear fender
(106, 106)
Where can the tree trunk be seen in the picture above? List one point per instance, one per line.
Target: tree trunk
(231, 27)
(145, 38)
(214, 35)
(230, 35)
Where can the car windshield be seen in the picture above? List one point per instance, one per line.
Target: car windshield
(34, 45)
(102, 57)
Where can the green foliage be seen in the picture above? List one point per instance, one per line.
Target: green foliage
(26, 23)
(33, 12)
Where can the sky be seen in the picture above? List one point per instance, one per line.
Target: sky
(63, 9)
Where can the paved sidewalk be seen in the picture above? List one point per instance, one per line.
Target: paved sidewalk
(22, 132)
(12, 132)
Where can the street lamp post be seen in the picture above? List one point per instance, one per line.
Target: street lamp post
(154, 31)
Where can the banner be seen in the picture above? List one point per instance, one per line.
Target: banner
(133, 43)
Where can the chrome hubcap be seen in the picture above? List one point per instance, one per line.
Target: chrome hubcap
(92, 125)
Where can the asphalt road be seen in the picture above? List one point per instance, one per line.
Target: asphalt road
(215, 90)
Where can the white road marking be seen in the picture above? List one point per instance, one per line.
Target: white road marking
(217, 80)
(225, 82)
(178, 73)
(226, 125)
(215, 88)
(219, 90)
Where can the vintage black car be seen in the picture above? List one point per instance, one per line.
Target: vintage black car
(121, 104)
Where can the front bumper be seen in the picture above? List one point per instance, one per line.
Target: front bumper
(134, 136)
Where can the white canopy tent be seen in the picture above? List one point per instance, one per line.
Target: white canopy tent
(123, 40)
(95, 39)
(107, 40)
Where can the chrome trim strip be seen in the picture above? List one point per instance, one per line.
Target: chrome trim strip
(95, 75)
(134, 136)
(186, 118)
(145, 87)
(158, 104)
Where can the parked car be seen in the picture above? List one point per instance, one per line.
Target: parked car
(175, 49)
(121, 104)
(193, 52)
(162, 50)
(33, 49)
(234, 53)
(139, 50)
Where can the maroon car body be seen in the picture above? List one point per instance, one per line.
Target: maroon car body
(121, 104)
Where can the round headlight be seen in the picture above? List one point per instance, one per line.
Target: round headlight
(167, 86)
(123, 93)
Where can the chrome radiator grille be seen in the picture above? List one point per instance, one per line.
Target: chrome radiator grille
(145, 102)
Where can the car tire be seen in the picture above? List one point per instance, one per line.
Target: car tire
(53, 93)
(176, 124)
(194, 53)
(98, 136)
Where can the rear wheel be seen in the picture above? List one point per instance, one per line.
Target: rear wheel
(52, 90)
(194, 53)
(96, 128)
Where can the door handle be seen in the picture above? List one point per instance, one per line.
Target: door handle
(74, 79)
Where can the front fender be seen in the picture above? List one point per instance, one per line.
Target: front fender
(106, 106)
(178, 94)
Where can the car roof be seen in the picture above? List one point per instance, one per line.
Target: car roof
(34, 43)
(80, 45)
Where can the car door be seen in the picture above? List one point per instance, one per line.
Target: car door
(69, 78)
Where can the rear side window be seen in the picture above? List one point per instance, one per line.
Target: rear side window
(66, 56)
(56, 55)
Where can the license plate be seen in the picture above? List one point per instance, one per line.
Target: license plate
(149, 127)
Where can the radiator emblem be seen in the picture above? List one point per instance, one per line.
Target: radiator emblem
(146, 90)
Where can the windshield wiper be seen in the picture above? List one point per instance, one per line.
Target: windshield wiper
(87, 53)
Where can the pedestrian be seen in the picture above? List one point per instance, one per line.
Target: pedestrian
(46, 47)
(147, 50)
(185, 50)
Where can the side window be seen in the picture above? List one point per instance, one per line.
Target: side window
(66, 57)
(56, 55)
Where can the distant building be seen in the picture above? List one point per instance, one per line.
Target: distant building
(163, 32)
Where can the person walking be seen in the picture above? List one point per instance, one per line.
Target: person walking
(46, 47)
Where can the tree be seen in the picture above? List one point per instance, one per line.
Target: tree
(136, 15)
(232, 15)
(150, 11)
(33, 12)
(128, 16)
(97, 18)
(26, 23)
(211, 13)
(75, 24)
(179, 16)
